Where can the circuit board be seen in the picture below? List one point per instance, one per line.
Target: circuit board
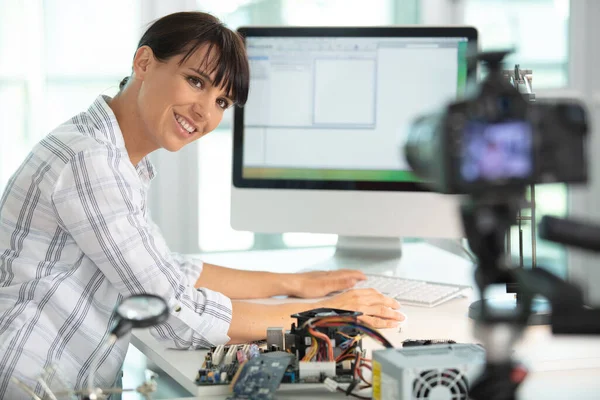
(300, 356)
(259, 377)
(222, 372)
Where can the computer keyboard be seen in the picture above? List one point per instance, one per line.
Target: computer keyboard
(413, 292)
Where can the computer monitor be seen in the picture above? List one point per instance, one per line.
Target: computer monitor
(318, 146)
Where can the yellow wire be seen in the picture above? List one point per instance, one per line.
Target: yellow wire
(312, 352)
(315, 349)
(345, 335)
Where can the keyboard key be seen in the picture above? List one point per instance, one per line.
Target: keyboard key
(413, 292)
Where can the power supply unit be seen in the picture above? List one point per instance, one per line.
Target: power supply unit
(436, 372)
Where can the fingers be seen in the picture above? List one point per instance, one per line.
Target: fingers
(371, 296)
(378, 310)
(352, 273)
(342, 283)
(381, 311)
(378, 323)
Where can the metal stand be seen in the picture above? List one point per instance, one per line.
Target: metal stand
(520, 219)
(540, 311)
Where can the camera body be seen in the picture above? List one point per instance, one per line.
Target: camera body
(495, 139)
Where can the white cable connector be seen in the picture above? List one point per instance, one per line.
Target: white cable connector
(363, 352)
(330, 384)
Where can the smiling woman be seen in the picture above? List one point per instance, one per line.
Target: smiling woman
(76, 235)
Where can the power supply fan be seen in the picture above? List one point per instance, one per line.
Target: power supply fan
(441, 384)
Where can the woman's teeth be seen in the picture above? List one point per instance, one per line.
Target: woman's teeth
(184, 124)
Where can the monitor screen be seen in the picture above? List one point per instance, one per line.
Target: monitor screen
(332, 111)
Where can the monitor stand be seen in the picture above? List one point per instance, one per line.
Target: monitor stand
(373, 248)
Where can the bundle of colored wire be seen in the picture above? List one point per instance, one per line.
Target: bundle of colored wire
(326, 339)
(350, 342)
(358, 365)
(335, 321)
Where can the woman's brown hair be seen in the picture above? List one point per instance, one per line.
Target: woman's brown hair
(184, 32)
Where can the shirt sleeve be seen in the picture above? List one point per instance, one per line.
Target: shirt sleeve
(99, 199)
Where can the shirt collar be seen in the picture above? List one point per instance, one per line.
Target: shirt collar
(105, 121)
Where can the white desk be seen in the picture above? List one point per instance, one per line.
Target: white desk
(547, 356)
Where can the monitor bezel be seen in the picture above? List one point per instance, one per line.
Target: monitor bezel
(400, 31)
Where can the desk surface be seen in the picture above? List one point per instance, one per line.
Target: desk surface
(547, 356)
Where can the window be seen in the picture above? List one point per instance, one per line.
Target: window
(51, 70)
(337, 12)
(13, 127)
(536, 29)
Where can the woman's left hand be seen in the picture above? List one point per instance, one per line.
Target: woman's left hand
(322, 283)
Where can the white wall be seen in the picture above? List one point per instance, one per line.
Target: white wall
(585, 59)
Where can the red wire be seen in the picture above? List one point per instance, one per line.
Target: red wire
(326, 339)
(360, 375)
(357, 365)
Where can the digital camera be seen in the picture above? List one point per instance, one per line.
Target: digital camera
(495, 139)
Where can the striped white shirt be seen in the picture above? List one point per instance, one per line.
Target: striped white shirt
(75, 237)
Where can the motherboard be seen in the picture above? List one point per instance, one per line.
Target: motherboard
(323, 346)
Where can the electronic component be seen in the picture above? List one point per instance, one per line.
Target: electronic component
(289, 376)
(426, 372)
(290, 342)
(260, 377)
(276, 338)
(241, 357)
(253, 351)
(346, 365)
(338, 334)
(218, 354)
(231, 355)
(323, 343)
(426, 342)
(316, 369)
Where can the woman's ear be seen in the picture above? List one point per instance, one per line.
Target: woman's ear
(144, 57)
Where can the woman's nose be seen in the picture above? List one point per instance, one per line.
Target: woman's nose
(202, 111)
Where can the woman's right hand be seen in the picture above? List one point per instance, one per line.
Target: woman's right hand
(379, 311)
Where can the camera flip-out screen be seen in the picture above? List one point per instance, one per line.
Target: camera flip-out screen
(497, 151)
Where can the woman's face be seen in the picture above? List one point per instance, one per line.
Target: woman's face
(178, 103)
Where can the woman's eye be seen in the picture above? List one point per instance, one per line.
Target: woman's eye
(195, 82)
(223, 104)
